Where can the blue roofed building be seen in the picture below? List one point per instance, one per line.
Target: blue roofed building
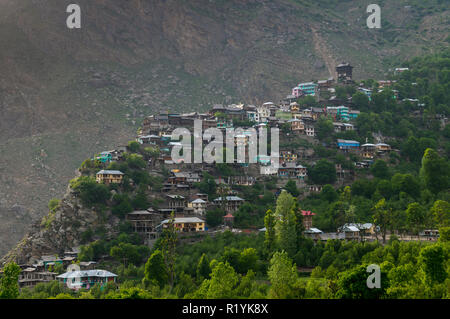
(347, 144)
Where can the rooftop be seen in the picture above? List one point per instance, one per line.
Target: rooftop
(229, 198)
(177, 220)
(109, 172)
(87, 273)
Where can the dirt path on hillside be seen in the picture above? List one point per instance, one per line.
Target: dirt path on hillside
(321, 48)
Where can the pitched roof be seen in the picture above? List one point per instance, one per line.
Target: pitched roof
(198, 200)
(229, 198)
(313, 230)
(140, 212)
(350, 228)
(110, 172)
(347, 141)
(87, 273)
(184, 220)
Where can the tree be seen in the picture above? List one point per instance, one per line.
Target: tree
(122, 205)
(433, 262)
(203, 268)
(299, 227)
(341, 93)
(352, 284)
(291, 187)
(223, 281)
(224, 169)
(155, 269)
(384, 188)
(140, 201)
(282, 274)
(307, 101)
(380, 169)
(89, 190)
(415, 217)
(444, 234)
(269, 223)
(328, 193)
(128, 252)
(53, 204)
(232, 256)
(285, 227)
(152, 152)
(441, 213)
(324, 172)
(414, 148)
(134, 146)
(335, 215)
(135, 161)
(168, 244)
(185, 285)
(214, 217)
(247, 260)
(406, 183)
(382, 217)
(325, 128)
(9, 287)
(207, 185)
(434, 171)
(361, 101)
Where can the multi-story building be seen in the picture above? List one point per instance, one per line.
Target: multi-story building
(86, 278)
(199, 206)
(353, 114)
(309, 130)
(291, 170)
(229, 203)
(344, 72)
(338, 112)
(368, 150)
(144, 223)
(307, 218)
(264, 111)
(308, 88)
(109, 177)
(31, 276)
(347, 144)
(176, 202)
(297, 125)
(185, 224)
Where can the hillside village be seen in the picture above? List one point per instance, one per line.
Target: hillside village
(202, 199)
(179, 188)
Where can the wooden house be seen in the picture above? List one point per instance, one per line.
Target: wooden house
(185, 224)
(109, 177)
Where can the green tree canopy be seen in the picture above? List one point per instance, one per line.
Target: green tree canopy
(324, 172)
(155, 269)
(9, 287)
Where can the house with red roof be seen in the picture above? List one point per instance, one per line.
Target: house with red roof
(307, 218)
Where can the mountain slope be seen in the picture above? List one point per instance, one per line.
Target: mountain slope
(66, 94)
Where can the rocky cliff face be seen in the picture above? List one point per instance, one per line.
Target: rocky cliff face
(67, 94)
(60, 231)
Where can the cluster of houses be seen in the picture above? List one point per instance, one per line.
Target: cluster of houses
(180, 195)
(350, 231)
(188, 214)
(44, 271)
